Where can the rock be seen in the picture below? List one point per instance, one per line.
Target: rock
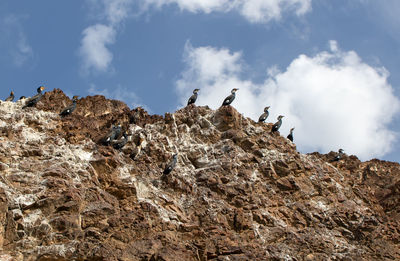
(236, 193)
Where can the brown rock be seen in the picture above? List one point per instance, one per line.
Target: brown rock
(236, 193)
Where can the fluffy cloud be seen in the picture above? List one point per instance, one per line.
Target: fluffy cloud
(93, 50)
(94, 47)
(334, 99)
(15, 40)
(97, 57)
(114, 11)
(255, 11)
(206, 6)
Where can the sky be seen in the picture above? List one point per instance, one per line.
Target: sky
(330, 67)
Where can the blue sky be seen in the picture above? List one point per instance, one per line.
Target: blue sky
(329, 66)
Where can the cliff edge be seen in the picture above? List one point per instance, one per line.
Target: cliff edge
(237, 192)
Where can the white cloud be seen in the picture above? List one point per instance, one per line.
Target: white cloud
(334, 99)
(255, 11)
(14, 40)
(96, 38)
(206, 6)
(93, 48)
(112, 11)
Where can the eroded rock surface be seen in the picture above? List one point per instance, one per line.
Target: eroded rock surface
(238, 192)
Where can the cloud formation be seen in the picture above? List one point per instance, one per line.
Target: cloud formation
(96, 38)
(255, 11)
(14, 40)
(334, 99)
(93, 48)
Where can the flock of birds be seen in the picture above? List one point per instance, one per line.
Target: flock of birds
(115, 132)
(228, 100)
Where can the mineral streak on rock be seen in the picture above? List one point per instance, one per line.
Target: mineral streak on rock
(237, 192)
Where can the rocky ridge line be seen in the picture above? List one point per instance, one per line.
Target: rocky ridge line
(237, 193)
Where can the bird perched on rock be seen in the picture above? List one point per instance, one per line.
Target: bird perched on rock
(112, 135)
(228, 100)
(11, 97)
(140, 141)
(339, 156)
(265, 115)
(68, 110)
(193, 98)
(170, 166)
(35, 99)
(290, 136)
(119, 144)
(22, 97)
(277, 124)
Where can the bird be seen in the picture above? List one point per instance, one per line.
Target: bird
(68, 110)
(277, 124)
(11, 97)
(32, 101)
(171, 165)
(136, 151)
(22, 97)
(339, 155)
(290, 136)
(112, 135)
(119, 144)
(265, 115)
(193, 98)
(228, 100)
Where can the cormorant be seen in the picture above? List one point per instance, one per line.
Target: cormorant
(277, 124)
(68, 110)
(11, 97)
(170, 166)
(22, 97)
(112, 135)
(139, 143)
(193, 98)
(290, 136)
(264, 116)
(119, 144)
(228, 100)
(339, 156)
(32, 101)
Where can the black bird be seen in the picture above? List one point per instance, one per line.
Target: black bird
(112, 135)
(119, 144)
(193, 98)
(290, 136)
(228, 100)
(68, 110)
(11, 97)
(277, 124)
(22, 97)
(32, 101)
(339, 156)
(265, 115)
(170, 166)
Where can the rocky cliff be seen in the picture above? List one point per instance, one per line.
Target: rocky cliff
(238, 192)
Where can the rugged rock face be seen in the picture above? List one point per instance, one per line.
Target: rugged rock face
(238, 192)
